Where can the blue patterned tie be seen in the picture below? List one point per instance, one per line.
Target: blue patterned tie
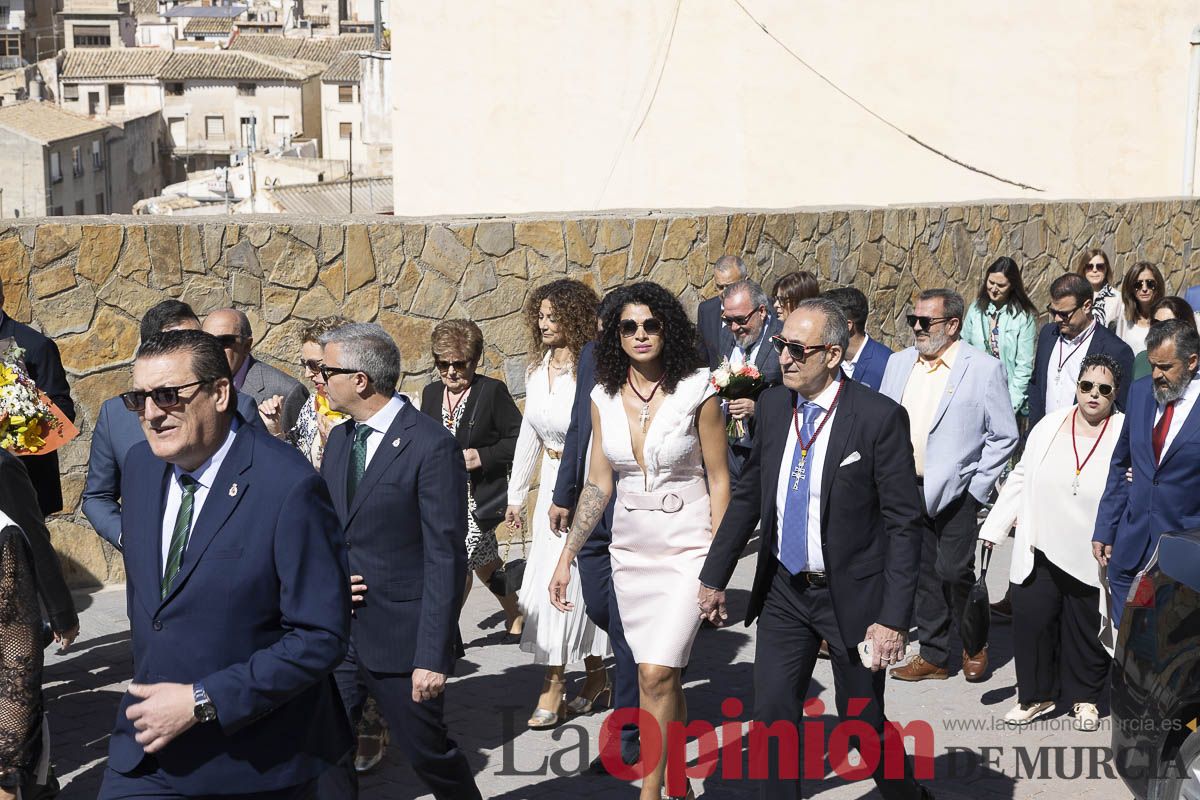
(793, 545)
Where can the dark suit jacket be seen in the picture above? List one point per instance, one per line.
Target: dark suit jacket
(491, 423)
(117, 430)
(708, 321)
(259, 613)
(1162, 497)
(872, 522)
(406, 534)
(872, 361)
(572, 474)
(264, 381)
(18, 499)
(1102, 341)
(46, 370)
(767, 361)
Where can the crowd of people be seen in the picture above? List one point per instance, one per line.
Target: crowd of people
(297, 558)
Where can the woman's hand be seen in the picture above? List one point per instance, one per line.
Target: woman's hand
(271, 412)
(471, 456)
(512, 517)
(559, 583)
(66, 638)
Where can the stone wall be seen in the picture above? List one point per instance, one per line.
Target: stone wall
(87, 281)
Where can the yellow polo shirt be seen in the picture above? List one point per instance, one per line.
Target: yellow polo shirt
(922, 395)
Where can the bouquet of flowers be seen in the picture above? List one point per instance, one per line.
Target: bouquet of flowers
(735, 384)
(30, 423)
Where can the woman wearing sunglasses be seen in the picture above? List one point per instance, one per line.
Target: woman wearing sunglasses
(1168, 308)
(1094, 266)
(1141, 289)
(657, 424)
(1060, 626)
(1003, 323)
(561, 316)
(791, 290)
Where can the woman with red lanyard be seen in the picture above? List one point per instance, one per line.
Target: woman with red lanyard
(1060, 624)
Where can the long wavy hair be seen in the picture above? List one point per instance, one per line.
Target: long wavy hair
(1016, 294)
(681, 341)
(1129, 289)
(574, 306)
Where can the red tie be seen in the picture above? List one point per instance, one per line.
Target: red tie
(1160, 431)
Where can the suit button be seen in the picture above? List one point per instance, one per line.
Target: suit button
(1156, 481)
(157, 625)
(347, 544)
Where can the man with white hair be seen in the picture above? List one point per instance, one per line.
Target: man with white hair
(746, 330)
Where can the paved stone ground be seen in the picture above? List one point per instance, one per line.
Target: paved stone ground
(497, 685)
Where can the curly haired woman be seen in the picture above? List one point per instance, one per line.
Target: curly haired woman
(562, 318)
(657, 423)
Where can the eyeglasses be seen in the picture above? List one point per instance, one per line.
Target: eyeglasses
(1087, 386)
(310, 365)
(229, 340)
(1063, 315)
(740, 321)
(652, 327)
(326, 371)
(925, 323)
(459, 366)
(1096, 267)
(164, 396)
(1148, 284)
(797, 350)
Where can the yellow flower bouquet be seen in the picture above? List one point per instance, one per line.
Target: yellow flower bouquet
(30, 423)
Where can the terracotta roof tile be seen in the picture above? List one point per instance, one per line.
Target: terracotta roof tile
(224, 65)
(205, 25)
(345, 69)
(117, 62)
(46, 122)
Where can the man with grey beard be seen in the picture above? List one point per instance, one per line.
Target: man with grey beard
(747, 328)
(963, 431)
(1158, 443)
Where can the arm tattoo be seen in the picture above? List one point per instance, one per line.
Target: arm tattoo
(588, 511)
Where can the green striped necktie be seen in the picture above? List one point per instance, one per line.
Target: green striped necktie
(358, 460)
(179, 535)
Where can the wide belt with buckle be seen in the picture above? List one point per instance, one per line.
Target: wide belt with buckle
(816, 580)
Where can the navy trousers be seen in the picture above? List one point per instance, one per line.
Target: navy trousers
(148, 782)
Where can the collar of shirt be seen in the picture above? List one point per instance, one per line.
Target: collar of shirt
(206, 473)
(381, 420)
(825, 398)
(1190, 393)
(240, 377)
(1083, 335)
(861, 347)
(945, 360)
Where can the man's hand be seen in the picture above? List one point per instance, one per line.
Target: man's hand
(65, 638)
(358, 589)
(427, 685)
(166, 710)
(741, 408)
(712, 605)
(560, 520)
(1102, 553)
(471, 456)
(887, 646)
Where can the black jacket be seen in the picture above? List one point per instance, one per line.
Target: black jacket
(491, 423)
(1103, 341)
(46, 369)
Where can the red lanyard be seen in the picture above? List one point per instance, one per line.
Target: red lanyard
(1062, 362)
(806, 446)
(1079, 466)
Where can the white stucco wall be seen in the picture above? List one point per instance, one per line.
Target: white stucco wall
(501, 108)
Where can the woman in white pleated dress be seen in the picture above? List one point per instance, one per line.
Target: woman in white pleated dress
(562, 318)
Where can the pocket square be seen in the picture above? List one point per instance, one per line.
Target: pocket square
(850, 459)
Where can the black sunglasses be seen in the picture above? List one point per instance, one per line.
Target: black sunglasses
(1087, 386)
(743, 320)
(1150, 284)
(652, 327)
(327, 371)
(164, 396)
(1063, 315)
(1097, 267)
(797, 350)
(229, 339)
(925, 323)
(459, 366)
(311, 365)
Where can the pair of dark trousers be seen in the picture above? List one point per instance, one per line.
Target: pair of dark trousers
(595, 582)
(148, 782)
(947, 574)
(794, 620)
(416, 728)
(1056, 637)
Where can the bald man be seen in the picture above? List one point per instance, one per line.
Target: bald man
(251, 376)
(728, 270)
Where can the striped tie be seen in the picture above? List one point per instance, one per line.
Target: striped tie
(358, 460)
(179, 535)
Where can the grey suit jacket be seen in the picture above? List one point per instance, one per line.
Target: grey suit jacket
(973, 431)
(264, 381)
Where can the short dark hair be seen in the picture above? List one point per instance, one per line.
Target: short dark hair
(1177, 306)
(1185, 337)
(164, 315)
(1072, 284)
(208, 360)
(953, 305)
(853, 304)
(1105, 361)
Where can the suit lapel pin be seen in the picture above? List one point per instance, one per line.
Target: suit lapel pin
(396, 442)
(233, 490)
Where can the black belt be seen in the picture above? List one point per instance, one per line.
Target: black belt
(817, 580)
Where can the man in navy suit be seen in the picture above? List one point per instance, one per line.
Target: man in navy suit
(1064, 342)
(399, 484)
(46, 370)
(1159, 442)
(746, 339)
(235, 591)
(728, 270)
(595, 565)
(865, 358)
(117, 430)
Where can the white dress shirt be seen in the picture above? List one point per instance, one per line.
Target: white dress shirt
(1183, 407)
(848, 366)
(379, 422)
(204, 475)
(738, 358)
(1060, 384)
(815, 466)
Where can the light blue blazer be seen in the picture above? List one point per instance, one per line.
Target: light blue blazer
(974, 430)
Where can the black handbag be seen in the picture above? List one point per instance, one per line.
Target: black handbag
(506, 579)
(977, 615)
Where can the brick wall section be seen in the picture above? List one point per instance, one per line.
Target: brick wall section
(87, 281)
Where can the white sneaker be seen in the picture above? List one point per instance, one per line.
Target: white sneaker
(1025, 713)
(1087, 717)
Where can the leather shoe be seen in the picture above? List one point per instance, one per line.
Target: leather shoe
(918, 669)
(975, 667)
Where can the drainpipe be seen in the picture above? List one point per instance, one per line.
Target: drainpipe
(1193, 104)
